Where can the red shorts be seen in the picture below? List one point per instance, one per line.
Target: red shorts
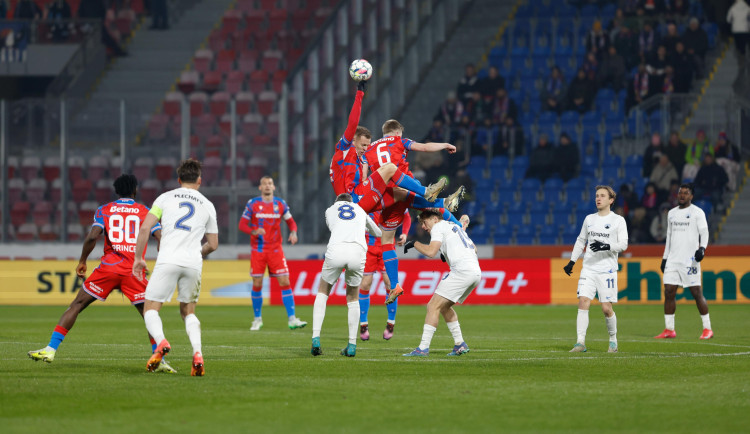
(393, 215)
(275, 261)
(371, 192)
(374, 260)
(101, 283)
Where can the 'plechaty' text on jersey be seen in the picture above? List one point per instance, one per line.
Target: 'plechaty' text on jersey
(609, 229)
(121, 220)
(456, 246)
(259, 214)
(687, 230)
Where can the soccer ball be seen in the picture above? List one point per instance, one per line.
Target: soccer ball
(360, 70)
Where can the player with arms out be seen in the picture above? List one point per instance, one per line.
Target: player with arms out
(119, 221)
(346, 250)
(186, 216)
(456, 248)
(608, 236)
(687, 239)
(262, 221)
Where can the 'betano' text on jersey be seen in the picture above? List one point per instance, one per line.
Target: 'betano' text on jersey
(266, 215)
(687, 230)
(456, 246)
(609, 229)
(121, 220)
(389, 149)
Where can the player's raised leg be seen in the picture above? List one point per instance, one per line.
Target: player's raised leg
(67, 320)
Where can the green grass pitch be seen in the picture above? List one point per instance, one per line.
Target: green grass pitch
(518, 376)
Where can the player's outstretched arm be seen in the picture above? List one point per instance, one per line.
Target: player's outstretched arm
(88, 246)
(139, 264)
(354, 114)
(432, 147)
(430, 250)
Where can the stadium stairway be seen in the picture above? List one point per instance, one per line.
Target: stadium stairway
(718, 89)
(467, 44)
(733, 230)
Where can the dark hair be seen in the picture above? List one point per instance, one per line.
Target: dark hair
(362, 132)
(125, 185)
(690, 186)
(345, 197)
(189, 170)
(427, 213)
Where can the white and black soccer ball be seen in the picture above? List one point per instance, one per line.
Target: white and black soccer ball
(360, 70)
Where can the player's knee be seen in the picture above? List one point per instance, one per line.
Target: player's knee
(388, 170)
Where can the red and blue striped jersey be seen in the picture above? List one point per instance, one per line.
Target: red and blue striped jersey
(389, 149)
(345, 172)
(121, 220)
(267, 216)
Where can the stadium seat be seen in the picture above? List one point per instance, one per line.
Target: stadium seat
(198, 102)
(42, 213)
(81, 190)
(515, 219)
(36, 189)
(266, 102)
(27, 232)
(172, 104)
(16, 187)
(211, 168)
(561, 217)
(47, 232)
(202, 60)
(51, 168)
(19, 212)
(211, 81)
(75, 232)
(157, 126)
(537, 219)
(30, 167)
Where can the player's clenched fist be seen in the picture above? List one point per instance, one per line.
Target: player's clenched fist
(699, 254)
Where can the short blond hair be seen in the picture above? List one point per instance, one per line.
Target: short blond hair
(610, 190)
(362, 132)
(392, 126)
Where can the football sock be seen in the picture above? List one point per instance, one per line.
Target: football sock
(391, 263)
(669, 322)
(421, 202)
(353, 312)
(57, 337)
(257, 297)
(392, 311)
(447, 215)
(364, 306)
(582, 324)
(612, 327)
(193, 329)
(153, 344)
(288, 298)
(154, 325)
(427, 332)
(319, 313)
(706, 321)
(455, 329)
(409, 183)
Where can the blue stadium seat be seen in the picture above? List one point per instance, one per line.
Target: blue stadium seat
(525, 240)
(477, 163)
(472, 209)
(479, 230)
(561, 217)
(479, 237)
(517, 206)
(530, 186)
(576, 183)
(572, 229)
(506, 194)
(706, 206)
(503, 230)
(538, 207)
(526, 230)
(485, 184)
(494, 208)
(515, 219)
(520, 161)
(547, 118)
(538, 219)
(517, 173)
(589, 12)
(500, 162)
(635, 160)
(569, 239)
(499, 239)
(607, 12)
(548, 239)
(632, 172)
(591, 120)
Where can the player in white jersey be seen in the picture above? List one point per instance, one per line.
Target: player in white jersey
(606, 235)
(687, 239)
(347, 249)
(455, 247)
(186, 216)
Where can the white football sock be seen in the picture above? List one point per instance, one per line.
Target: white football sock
(427, 334)
(706, 321)
(612, 327)
(582, 324)
(319, 313)
(154, 325)
(455, 329)
(193, 329)
(353, 319)
(669, 322)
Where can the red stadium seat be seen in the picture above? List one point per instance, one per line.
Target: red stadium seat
(214, 146)
(48, 232)
(254, 19)
(13, 165)
(19, 212)
(251, 124)
(198, 102)
(42, 213)
(231, 20)
(188, 81)
(202, 60)
(76, 167)
(267, 102)
(204, 125)
(277, 20)
(115, 167)
(75, 232)
(172, 103)
(16, 186)
(241, 164)
(256, 167)
(272, 126)
(211, 168)
(81, 190)
(225, 61)
(165, 168)
(225, 125)
(142, 168)
(244, 103)
(36, 190)
(87, 211)
(51, 168)
(219, 103)
(245, 6)
(257, 81)
(235, 82)
(149, 189)
(300, 19)
(216, 40)
(27, 232)
(55, 192)
(30, 167)
(277, 81)
(157, 127)
(212, 80)
(103, 191)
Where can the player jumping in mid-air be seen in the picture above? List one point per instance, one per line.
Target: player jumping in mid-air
(262, 221)
(346, 250)
(608, 236)
(186, 216)
(687, 239)
(455, 248)
(119, 221)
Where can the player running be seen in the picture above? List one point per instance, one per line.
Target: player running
(186, 216)
(346, 250)
(608, 235)
(375, 263)
(262, 221)
(687, 239)
(119, 221)
(456, 248)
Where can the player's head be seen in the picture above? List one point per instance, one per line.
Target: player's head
(362, 139)
(189, 172)
(266, 186)
(685, 194)
(344, 197)
(428, 218)
(126, 185)
(605, 197)
(392, 127)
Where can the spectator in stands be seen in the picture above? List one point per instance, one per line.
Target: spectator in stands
(612, 71)
(159, 15)
(629, 7)
(541, 160)
(489, 85)
(591, 66)
(674, 188)
(728, 157)
(450, 111)
(640, 89)
(468, 84)
(683, 66)
(626, 199)
(648, 40)
(694, 156)
(503, 107)
(616, 25)
(553, 92)
(437, 132)
(663, 174)
(653, 7)
(671, 38)
(597, 40)
(667, 85)
(95, 9)
(477, 109)
(660, 223)
(485, 138)
(711, 181)
(657, 67)
(457, 165)
(580, 92)
(510, 139)
(58, 11)
(464, 130)
(567, 157)
(675, 151)
(650, 200)
(737, 17)
(621, 212)
(677, 8)
(652, 154)
(696, 45)
(27, 10)
(626, 44)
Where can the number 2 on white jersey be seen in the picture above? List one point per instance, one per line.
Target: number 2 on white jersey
(124, 228)
(383, 155)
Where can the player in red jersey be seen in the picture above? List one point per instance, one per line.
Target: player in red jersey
(120, 222)
(262, 221)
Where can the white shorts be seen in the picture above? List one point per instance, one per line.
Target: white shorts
(458, 284)
(602, 284)
(339, 258)
(167, 277)
(684, 276)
